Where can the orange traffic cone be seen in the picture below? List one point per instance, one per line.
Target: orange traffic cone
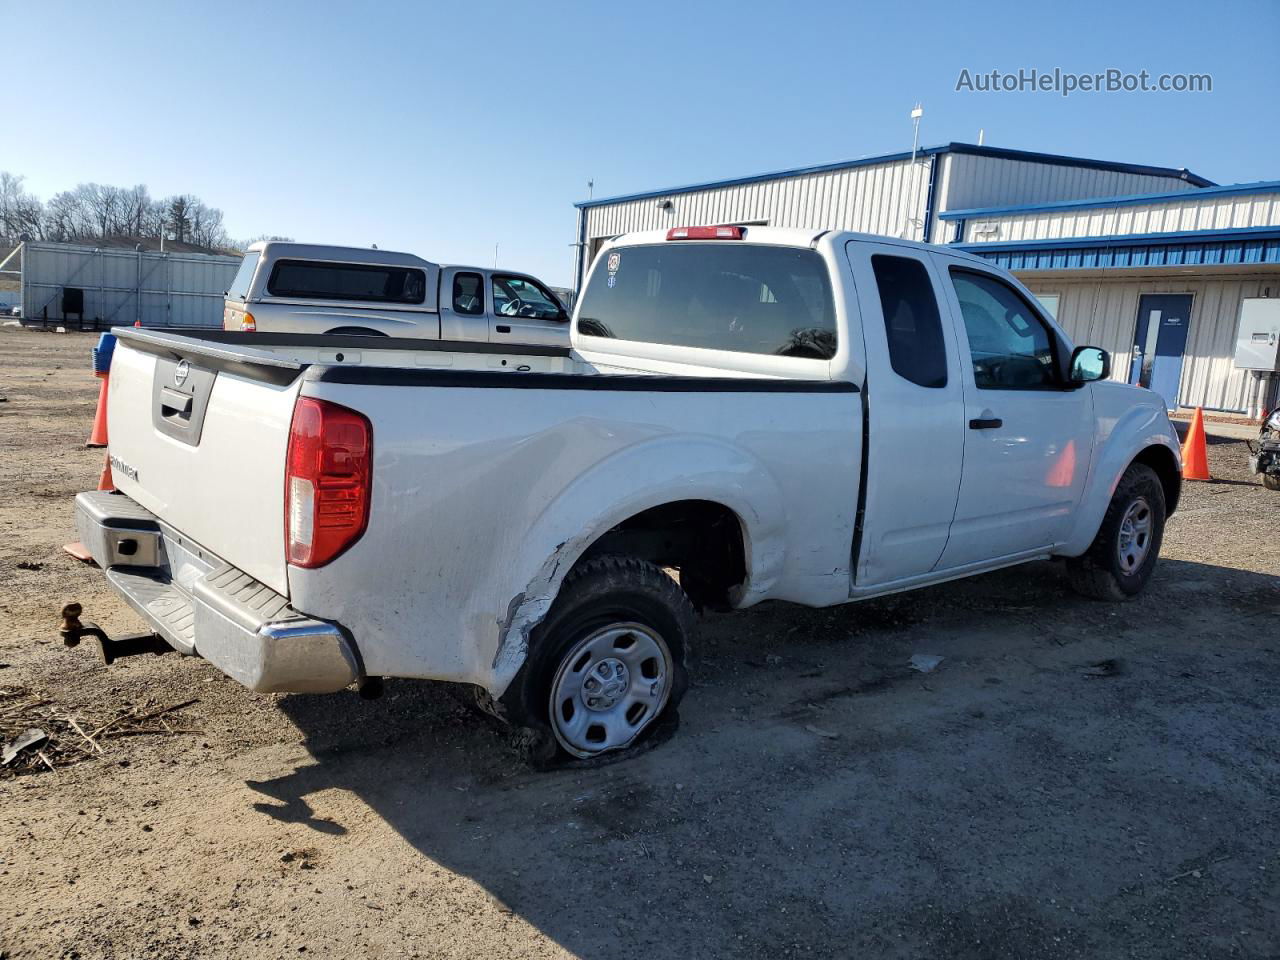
(105, 482)
(98, 436)
(1195, 458)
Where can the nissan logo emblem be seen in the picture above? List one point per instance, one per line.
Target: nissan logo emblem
(180, 373)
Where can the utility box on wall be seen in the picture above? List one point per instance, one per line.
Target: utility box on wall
(1258, 335)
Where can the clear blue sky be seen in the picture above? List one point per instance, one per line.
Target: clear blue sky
(444, 128)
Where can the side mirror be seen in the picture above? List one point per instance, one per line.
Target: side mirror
(1089, 364)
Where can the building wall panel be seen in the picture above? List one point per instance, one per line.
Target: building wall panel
(977, 181)
(1210, 212)
(1104, 312)
(122, 286)
(880, 198)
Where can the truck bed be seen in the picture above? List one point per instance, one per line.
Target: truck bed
(280, 357)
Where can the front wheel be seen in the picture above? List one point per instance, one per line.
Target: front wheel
(1123, 555)
(608, 662)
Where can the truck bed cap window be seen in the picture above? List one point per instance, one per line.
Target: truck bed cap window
(239, 288)
(748, 299)
(321, 280)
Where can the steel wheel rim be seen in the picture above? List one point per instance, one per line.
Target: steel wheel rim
(1133, 542)
(610, 686)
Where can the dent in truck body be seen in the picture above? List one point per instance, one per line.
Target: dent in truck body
(476, 521)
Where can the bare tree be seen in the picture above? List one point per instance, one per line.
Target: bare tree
(70, 216)
(135, 203)
(20, 212)
(95, 211)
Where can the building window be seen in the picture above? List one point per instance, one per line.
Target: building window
(1050, 303)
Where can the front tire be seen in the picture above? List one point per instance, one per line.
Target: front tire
(1123, 555)
(608, 662)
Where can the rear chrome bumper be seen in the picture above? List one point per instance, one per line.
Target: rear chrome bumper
(202, 605)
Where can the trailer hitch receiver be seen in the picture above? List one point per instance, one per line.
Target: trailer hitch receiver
(73, 630)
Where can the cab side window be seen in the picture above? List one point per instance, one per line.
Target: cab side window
(522, 297)
(1009, 344)
(468, 294)
(911, 321)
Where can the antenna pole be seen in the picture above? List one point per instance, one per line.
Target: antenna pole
(908, 195)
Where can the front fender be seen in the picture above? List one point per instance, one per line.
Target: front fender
(1127, 421)
(644, 475)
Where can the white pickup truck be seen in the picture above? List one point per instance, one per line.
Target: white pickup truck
(745, 414)
(286, 287)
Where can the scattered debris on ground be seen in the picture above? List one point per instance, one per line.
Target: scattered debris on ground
(925, 662)
(39, 734)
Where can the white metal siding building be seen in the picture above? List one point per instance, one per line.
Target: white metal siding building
(889, 195)
(119, 286)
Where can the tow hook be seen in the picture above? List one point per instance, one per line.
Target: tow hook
(110, 650)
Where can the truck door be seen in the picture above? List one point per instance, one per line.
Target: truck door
(524, 311)
(463, 312)
(1028, 436)
(915, 411)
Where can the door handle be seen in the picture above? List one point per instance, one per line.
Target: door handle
(502, 328)
(174, 404)
(985, 423)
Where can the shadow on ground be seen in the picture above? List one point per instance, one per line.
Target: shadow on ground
(821, 799)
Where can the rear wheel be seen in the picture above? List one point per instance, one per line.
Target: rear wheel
(1123, 555)
(1271, 481)
(607, 665)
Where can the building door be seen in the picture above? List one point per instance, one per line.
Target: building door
(1159, 341)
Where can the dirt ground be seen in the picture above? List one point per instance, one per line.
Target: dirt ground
(819, 799)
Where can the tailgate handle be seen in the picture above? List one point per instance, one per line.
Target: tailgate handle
(174, 403)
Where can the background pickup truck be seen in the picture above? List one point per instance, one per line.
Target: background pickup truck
(745, 414)
(309, 288)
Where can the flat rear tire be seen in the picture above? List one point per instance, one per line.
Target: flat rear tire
(607, 665)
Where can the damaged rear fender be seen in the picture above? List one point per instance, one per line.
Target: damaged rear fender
(639, 478)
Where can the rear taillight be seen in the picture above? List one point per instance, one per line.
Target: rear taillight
(328, 474)
(248, 324)
(704, 233)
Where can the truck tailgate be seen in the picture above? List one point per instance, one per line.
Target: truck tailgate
(201, 443)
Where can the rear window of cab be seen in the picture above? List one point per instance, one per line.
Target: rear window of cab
(746, 298)
(321, 280)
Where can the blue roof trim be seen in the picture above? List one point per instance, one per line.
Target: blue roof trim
(974, 149)
(1260, 186)
(1244, 246)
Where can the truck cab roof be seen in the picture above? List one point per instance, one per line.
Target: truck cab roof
(796, 237)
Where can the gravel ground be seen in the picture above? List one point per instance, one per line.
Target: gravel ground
(818, 800)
